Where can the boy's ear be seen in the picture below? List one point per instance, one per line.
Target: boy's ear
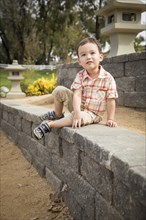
(101, 57)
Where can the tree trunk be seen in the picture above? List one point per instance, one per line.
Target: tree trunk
(97, 28)
(6, 48)
(97, 31)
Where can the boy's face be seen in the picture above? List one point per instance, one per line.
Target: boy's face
(89, 57)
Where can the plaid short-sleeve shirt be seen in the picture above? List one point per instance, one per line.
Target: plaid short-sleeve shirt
(95, 92)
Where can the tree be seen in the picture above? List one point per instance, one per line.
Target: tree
(35, 30)
(53, 19)
(15, 26)
(137, 43)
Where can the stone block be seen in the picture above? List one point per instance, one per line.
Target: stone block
(24, 141)
(26, 154)
(30, 113)
(37, 150)
(121, 196)
(120, 99)
(10, 131)
(137, 56)
(39, 166)
(71, 155)
(83, 191)
(131, 163)
(135, 99)
(67, 134)
(11, 118)
(120, 59)
(97, 176)
(84, 216)
(10, 107)
(116, 165)
(106, 60)
(5, 116)
(26, 127)
(56, 166)
(137, 211)
(70, 74)
(141, 84)
(137, 183)
(135, 68)
(6, 108)
(133, 210)
(126, 84)
(18, 124)
(104, 210)
(53, 180)
(74, 207)
(52, 143)
(79, 141)
(33, 147)
(47, 157)
(85, 140)
(116, 70)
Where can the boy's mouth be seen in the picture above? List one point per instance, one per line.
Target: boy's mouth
(89, 62)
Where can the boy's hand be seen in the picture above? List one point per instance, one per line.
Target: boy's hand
(111, 123)
(77, 120)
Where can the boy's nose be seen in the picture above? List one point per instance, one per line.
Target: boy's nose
(88, 56)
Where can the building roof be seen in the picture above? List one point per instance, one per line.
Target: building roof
(122, 4)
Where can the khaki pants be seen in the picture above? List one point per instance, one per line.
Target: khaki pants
(65, 96)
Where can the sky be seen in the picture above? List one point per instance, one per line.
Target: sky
(143, 21)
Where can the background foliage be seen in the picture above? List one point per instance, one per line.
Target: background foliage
(41, 86)
(30, 77)
(37, 31)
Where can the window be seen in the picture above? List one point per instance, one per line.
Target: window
(15, 73)
(110, 19)
(129, 17)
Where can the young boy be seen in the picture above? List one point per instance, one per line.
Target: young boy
(92, 93)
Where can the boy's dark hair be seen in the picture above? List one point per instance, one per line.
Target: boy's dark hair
(89, 40)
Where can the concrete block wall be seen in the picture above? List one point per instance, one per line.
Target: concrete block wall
(99, 171)
(129, 72)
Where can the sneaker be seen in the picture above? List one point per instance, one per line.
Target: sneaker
(40, 131)
(50, 116)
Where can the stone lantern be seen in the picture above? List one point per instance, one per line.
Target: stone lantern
(122, 24)
(15, 76)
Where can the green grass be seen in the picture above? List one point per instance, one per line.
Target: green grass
(4, 81)
(33, 75)
(29, 77)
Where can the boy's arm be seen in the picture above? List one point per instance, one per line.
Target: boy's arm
(111, 105)
(76, 107)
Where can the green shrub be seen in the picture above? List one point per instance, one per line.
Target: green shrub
(24, 84)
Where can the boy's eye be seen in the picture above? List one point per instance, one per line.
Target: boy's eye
(83, 55)
(92, 52)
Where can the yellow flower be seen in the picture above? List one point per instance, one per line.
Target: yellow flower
(42, 86)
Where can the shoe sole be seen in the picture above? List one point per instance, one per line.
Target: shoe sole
(36, 134)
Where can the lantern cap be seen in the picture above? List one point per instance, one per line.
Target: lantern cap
(15, 66)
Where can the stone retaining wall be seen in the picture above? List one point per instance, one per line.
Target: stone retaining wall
(99, 171)
(129, 72)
